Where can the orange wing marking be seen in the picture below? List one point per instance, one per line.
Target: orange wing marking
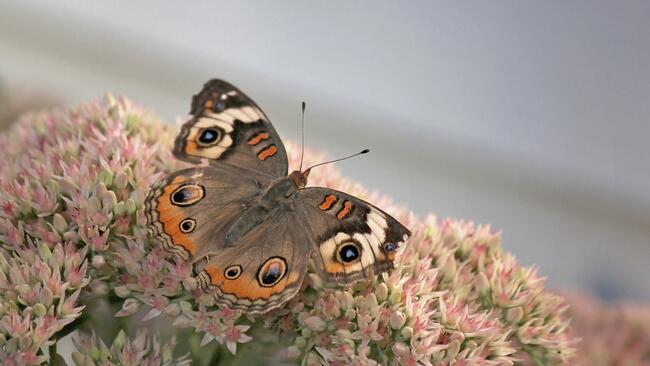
(345, 211)
(258, 138)
(267, 153)
(328, 202)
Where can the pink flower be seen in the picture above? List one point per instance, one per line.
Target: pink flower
(610, 334)
(143, 350)
(235, 334)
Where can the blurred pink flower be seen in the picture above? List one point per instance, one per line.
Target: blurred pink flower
(610, 334)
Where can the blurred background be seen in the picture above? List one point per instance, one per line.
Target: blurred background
(534, 117)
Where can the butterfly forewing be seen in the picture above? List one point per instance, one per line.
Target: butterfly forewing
(190, 210)
(228, 127)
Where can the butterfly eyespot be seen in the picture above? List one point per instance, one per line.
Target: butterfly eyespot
(187, 195)
(210, 136)
(272, 271)
(187, 225)
(219, 106)
(232, 272)
(390, 247)
(349, 252)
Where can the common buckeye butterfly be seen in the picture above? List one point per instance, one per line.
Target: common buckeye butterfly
(249, 228)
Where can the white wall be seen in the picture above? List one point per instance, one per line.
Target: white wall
(532, 116)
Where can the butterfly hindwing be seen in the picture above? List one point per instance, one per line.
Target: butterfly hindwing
(262, 269)
(352, 236)
(228, 127)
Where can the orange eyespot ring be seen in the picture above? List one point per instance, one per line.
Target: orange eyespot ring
(232, 272)
(187, 226)
(272, 271)
(187, 195)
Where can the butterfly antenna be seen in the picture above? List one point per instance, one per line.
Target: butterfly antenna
(364, 151)
(302, 135)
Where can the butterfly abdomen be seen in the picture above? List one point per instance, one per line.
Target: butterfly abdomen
(249, 219)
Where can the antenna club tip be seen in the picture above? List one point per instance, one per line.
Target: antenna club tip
(303, 105)
(365, 151)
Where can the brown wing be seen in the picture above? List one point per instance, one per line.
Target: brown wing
(351, 235)
(190, 210)
(262, 269)
(228, 127)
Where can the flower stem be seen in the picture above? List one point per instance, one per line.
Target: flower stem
(53, 359)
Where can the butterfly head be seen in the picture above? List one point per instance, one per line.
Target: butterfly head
(299, 178)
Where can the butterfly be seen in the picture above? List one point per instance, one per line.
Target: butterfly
(248, 226)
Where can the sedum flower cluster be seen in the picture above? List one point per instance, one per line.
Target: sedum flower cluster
(143, 350)
(74, 245)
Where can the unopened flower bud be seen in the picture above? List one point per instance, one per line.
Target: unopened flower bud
(514, 315)
(121, 180)
(106, 177)
(407, 332)
(401, 349)
(59, 223)
(395, 296)
(300, 342)
(185, 306)
(98, 261)
(172, 310)
(44, 251)
(119, 208)
(109, 200)
(397, 320)
(350, 314)
(39, 309)
(130, 206)
(453, 349)
(382, 292)
(119, 340)
(122, 291)
(315, 323)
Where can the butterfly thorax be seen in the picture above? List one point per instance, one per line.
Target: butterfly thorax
(276, 196)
